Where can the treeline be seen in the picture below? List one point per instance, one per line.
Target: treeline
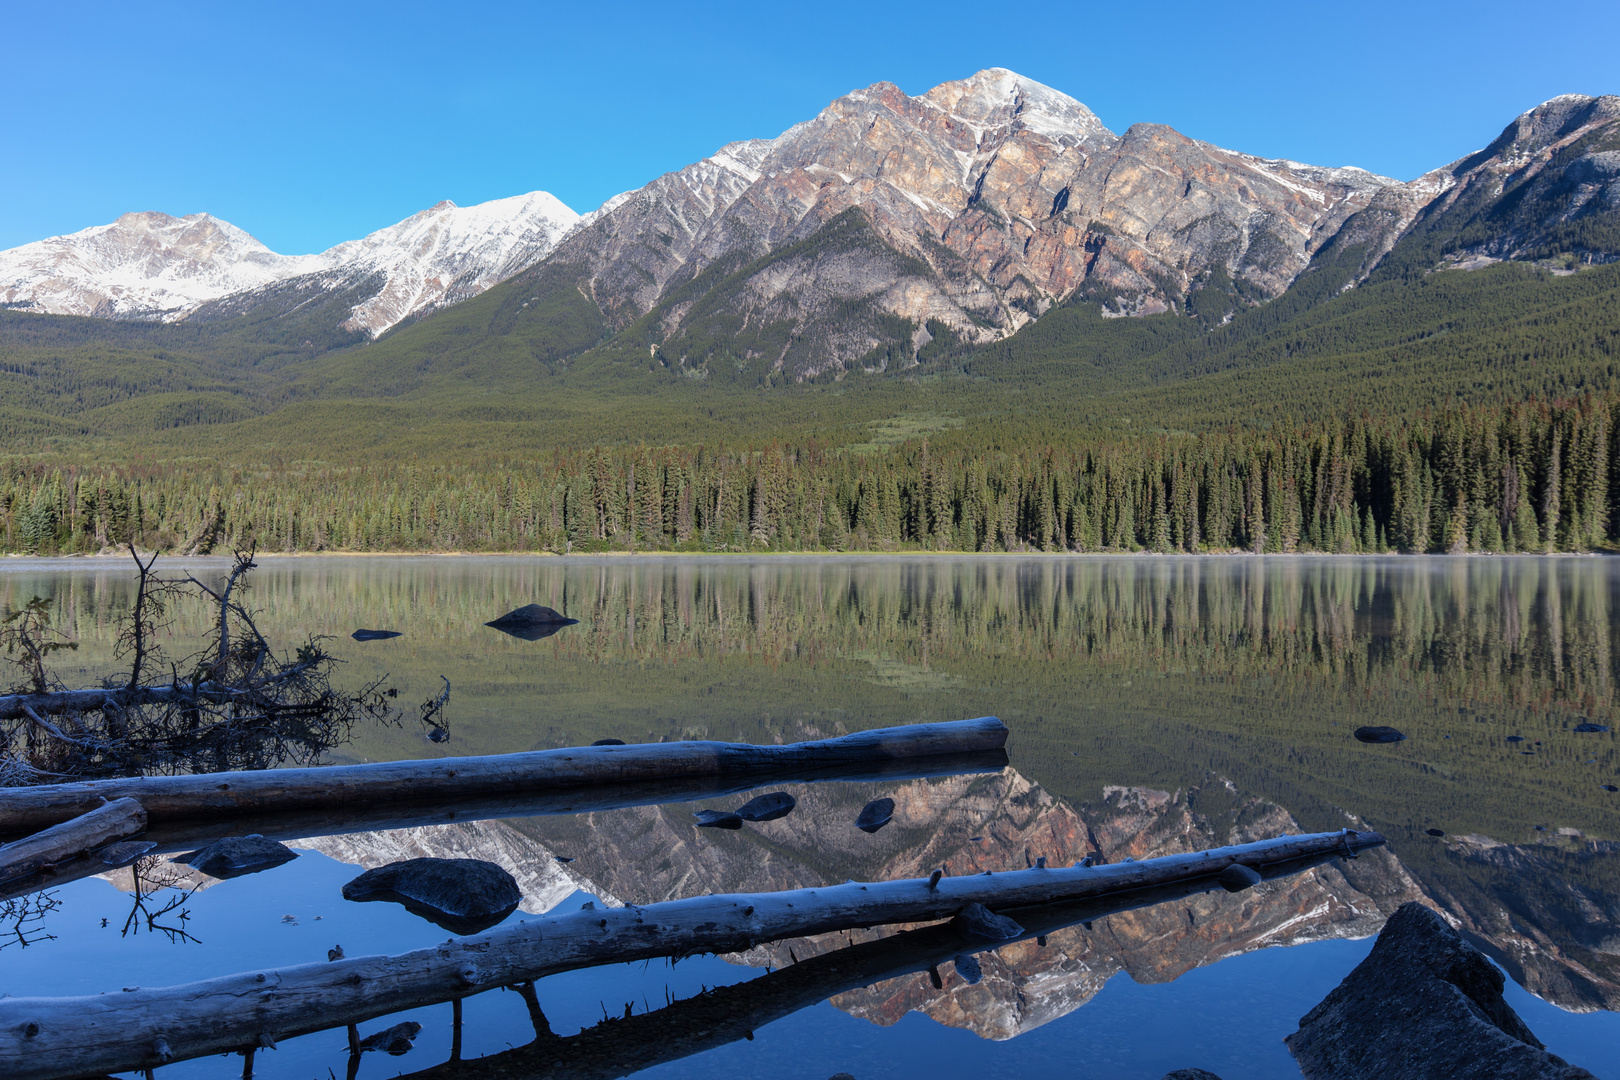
(1530, 477)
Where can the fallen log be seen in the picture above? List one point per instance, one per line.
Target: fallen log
(43, 1038)
(117, 820)
(621, 1046)
(209, 795)
(189, 834)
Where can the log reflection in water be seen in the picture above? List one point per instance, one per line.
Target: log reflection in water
(619, 1046)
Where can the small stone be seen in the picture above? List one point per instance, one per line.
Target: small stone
(438, 734)
(1515, 738)
(768, 807)
(608, 742)
(564, 858)
(1191, 1074)
(1378, 734)
(1591, 728)
(374, 635)
(967, 966)
(1237, 877)
(875, 815)
(717, 819)
(237, 855)
(123, 853)
(1435, 832)
(396, 1040)
(978, 921)
(1609, 787)
(465, 896)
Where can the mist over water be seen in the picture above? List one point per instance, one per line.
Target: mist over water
(1156, 704)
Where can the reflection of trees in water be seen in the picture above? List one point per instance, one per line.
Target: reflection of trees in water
(158, 901)
(23, 919)
(1520, 632)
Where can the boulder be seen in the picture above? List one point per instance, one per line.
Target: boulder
(875, 814)
(1424, 1004)
(396, 1040)
(978, 921)
(238, 855)
(531, 622)
(1378, 734)
(465, 896)
(767, 807)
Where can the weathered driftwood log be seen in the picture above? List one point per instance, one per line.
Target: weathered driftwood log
(620, 1046)
(189, 834)
(169, 798)
(44, 1038)
(116, 820)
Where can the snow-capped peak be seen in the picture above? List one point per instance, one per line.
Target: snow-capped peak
(996, 96)
(152, 265)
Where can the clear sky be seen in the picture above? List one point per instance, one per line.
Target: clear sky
(309, 123)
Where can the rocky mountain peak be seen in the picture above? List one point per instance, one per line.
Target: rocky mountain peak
(998, 97)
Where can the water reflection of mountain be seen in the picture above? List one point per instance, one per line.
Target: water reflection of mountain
(1559, 938)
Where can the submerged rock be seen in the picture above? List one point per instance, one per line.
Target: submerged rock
(465, 896)
(124, 852)
(396, 1040)
(1237, 877)
(978, 921)
(1190, 1074)
(531, 622)
(374, 635)
(875, 814)
(438, 734)
(1424, 1003)
(1378, 734)
(608, 742)
(1590, 728)
(1435, 832)
(717, 819)
(1514, 738)
(769, 807)
(967, 966)
(238, 855)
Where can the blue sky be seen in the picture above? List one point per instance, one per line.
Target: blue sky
(312, 123)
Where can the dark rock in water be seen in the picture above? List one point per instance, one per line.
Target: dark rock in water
(1515, 738)
(768, 807)
(374, 635)
(465, 896)
(1237, 877)
(1190, 1074)
(125, 852)
(238, 855)
(608, 742)
(1591, 728)
(531, 622)
(967, 966)
(396, 1040)
(1540, 828)
(978, 921)
(1379, 734)
(717, 819)
(1435, 832)
(438, 734)
(564, 858)
(1609, 787)
(875, 815)
(841, 1076)
(1424, 1003)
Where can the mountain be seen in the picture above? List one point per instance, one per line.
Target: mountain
(156, 267)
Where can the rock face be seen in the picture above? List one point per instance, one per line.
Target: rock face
(1424, 1003)
(956, 217)
(465, 896)
(153, 266)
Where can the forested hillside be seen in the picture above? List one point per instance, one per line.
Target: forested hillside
(1527, 478)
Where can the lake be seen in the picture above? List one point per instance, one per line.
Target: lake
(1156, 705)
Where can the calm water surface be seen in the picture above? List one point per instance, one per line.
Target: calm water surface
(1156, 705)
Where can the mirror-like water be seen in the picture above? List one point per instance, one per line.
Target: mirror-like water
(1156, 705)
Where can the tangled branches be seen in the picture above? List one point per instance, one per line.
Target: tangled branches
(232, 705)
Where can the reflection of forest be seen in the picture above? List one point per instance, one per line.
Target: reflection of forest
(1559, 941)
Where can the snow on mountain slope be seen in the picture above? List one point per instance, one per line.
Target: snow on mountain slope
(153, 266)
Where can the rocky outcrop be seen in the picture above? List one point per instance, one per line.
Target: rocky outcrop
(465, 896)
(1424, 1003)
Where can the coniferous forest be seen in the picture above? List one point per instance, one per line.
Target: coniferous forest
(1524, 477)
